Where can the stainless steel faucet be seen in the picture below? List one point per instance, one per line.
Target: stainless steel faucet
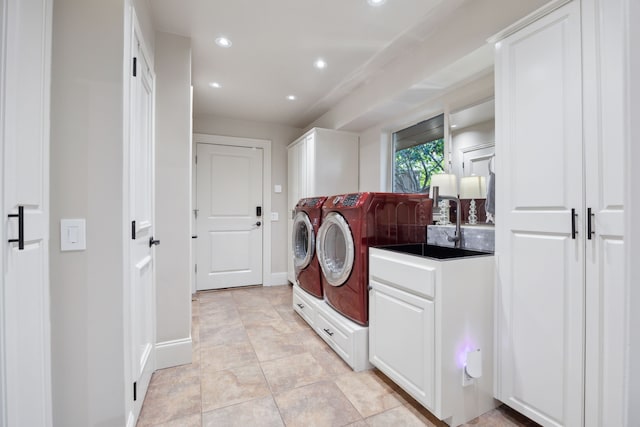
(458, 236)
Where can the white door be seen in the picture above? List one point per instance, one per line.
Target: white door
(229, 200)
(25, 355)
(541, 296)
(475, 160)
(142, 285)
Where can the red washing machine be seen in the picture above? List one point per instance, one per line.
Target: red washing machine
(351, 223)
(305, 227)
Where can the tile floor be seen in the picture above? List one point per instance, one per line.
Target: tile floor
(257, 363)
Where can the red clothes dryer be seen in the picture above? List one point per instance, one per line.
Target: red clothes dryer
(351, 223)
(306, 222)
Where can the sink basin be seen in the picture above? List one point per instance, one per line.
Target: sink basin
(432, 251)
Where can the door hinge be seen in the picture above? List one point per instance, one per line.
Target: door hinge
(196, 268)
(133, 230)
(135, 391)
(135, 66)
(196, 160)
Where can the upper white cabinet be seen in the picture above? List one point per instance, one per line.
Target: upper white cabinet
(322, 162)
(559, 215)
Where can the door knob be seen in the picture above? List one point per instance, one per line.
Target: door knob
(258, 224)
(153, 242)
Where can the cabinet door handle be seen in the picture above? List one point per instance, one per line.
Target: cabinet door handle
(328, 332)
(20, 239)
(574, 232)
(300, 305)
(590, 216)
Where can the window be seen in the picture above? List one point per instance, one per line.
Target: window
(418, 154)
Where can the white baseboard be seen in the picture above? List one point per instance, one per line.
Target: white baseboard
(277, 279)
(173, 353)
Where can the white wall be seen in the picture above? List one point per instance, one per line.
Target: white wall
(173, 199)
(470, 136)
(86, 182)
(280, 136)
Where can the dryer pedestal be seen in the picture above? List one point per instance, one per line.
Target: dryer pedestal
(348, 339)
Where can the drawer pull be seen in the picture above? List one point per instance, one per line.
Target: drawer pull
(328, 332)
(300, 305)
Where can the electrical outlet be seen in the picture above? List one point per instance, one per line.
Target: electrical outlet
(466, 379)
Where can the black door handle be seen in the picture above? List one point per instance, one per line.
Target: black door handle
(20, 239)
(153, 242)
(573, 223)
(590, 216)
(258, 224)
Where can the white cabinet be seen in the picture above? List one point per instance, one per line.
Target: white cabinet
(322, 162)
(559, 157)
(424, 316)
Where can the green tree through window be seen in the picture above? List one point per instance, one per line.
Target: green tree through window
(414, 166)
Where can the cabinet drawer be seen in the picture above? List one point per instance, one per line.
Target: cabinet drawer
(335, 337)
(304, 306)
(402, 272)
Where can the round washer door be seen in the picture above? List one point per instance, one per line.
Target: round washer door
(335, 249)
(303, 241)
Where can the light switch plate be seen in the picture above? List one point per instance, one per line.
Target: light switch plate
(277, 188)
(73, 235)
(275, 216)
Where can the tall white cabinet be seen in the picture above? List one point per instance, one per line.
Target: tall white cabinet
(559, 214)
(322, 162)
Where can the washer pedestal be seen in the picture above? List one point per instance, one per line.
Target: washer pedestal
(348, 339)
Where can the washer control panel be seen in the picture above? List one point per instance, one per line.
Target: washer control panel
(351, 200)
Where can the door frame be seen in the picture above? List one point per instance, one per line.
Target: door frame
(201, 138)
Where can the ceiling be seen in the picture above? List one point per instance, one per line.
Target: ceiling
(275, 44)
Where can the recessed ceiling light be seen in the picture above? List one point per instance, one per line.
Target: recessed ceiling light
(223, 42)
(291, 97)
(454, 126)
(320, 64)
(376, 2)
(215, 85)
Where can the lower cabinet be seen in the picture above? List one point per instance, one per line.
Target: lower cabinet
(425, 315)
(402, 339)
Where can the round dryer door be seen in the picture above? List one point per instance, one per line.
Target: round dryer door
(335, 249)
(303, 241)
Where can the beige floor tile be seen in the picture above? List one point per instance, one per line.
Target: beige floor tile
(330, 361)
(259, 412)
(171, 398)
(277, 346)
(319, 404)
(226, 356)
(367, 392)
(270, 328)
(231, 386)
(399, 416)
(212, 335)
(256, 316)
(293, 371)
(216, 316)
(188, 421)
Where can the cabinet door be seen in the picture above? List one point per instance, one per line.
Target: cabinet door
(604, 138)
(25, 339)
(401, 339)
(297, 181)
(540, 301)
